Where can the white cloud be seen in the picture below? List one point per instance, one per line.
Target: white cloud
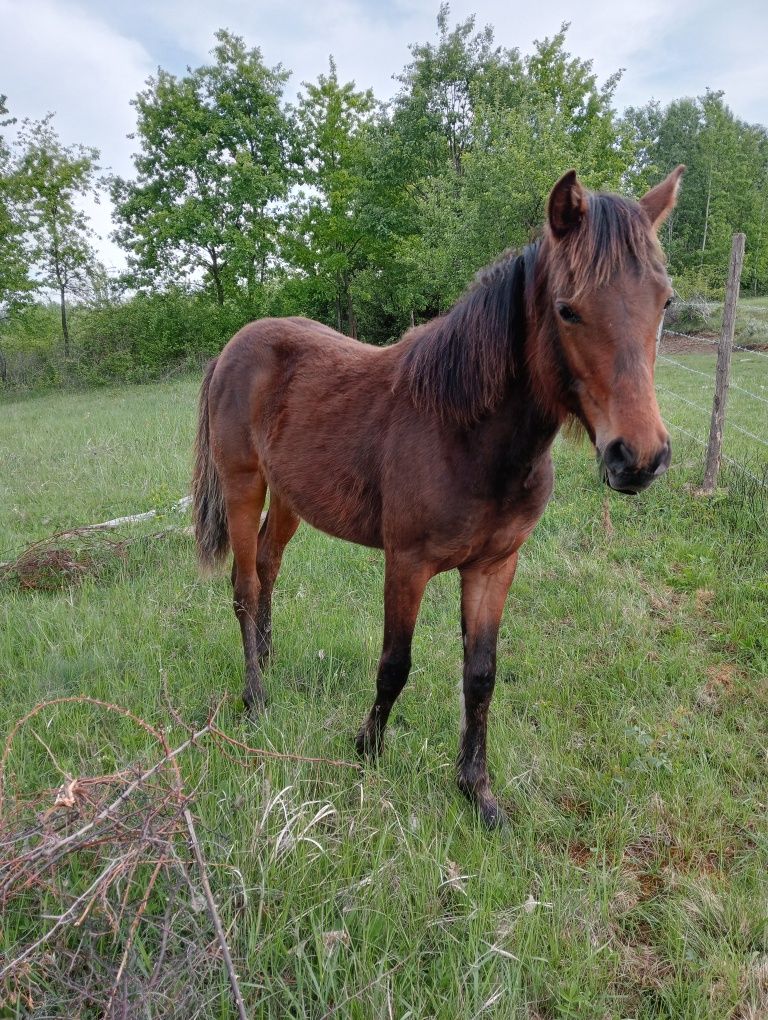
(667, 49)
(88, 61)
(59, 58)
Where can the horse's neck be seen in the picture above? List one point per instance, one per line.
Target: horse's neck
(542, 372)
(518, 433)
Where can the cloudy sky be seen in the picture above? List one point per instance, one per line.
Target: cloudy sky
(85, 60)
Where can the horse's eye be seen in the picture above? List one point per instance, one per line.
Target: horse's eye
(668, 302)
(567, 314)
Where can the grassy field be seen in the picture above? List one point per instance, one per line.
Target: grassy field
(685, 385)
(627, 741)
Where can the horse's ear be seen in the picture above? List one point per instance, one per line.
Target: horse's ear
(567, 204)
(660, 201)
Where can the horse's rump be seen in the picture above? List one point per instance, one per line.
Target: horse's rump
(309, 409)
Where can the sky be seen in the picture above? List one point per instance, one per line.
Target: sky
(86, 60)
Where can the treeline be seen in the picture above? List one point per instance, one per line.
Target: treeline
(366, 215)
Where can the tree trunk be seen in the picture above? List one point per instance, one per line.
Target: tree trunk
(706, 219)
(338, 304)
(64, 325)
(61, 277)
(216, 277)
(351, 318)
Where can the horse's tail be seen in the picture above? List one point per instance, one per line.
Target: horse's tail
(208, 507)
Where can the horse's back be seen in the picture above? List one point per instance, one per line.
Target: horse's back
(289, 340)
(308, 408)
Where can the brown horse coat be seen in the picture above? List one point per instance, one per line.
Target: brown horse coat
(437, 449)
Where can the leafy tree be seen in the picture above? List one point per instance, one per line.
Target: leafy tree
(520, 124)
(442, 83)
(53, 178)
(726, 185)
(334, 226)
(15, 283)
(216, 156)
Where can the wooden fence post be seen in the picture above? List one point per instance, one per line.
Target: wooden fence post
(715, 446)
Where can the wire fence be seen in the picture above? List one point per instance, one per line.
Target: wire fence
(686, 388)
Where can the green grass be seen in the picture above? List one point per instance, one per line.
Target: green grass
(751, 319)
(627, 738)
(686, 387)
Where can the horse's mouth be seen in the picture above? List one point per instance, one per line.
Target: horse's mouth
(626, 482)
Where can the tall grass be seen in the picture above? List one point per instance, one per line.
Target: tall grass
(627, 740)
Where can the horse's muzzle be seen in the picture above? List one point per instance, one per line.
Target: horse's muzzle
(620, 469)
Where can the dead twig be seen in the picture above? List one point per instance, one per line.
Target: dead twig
(104, 876)
(87, 858)
(79, 699)
(132, 934)
(85, 529)
(215, 915)
(58, 849)
(261, 752)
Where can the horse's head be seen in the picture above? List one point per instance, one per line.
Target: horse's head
(607, 290)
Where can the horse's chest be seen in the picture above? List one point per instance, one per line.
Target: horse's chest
(518, 506)
(489, 525)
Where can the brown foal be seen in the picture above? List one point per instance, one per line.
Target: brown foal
(437, 448)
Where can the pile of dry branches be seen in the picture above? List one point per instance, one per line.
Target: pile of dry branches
(104, 893)
(67, 557)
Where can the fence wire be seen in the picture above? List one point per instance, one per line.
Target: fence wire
(759, 476)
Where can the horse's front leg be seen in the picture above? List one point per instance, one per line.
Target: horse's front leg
(405, 579)
(483, 592)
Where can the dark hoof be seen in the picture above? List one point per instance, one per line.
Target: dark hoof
(368, 747)
(255, 704)
(485, 804)
(492, 816)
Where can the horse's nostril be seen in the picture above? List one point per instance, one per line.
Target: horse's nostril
(619, 456)
(662, 460)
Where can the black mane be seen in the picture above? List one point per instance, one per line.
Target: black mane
(460, 364)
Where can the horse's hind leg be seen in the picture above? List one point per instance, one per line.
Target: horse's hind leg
(245, 494)
(276, 532)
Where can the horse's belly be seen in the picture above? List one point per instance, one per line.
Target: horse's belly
(361, 528)
(342, 505)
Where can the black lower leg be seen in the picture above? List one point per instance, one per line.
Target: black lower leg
(254, 695)
(473, 779)
(390, 680)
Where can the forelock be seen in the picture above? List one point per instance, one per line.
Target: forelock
(613, 237)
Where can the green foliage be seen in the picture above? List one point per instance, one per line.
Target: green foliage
(216, 155)
(15, 283)
(725, 188)
(52, 179)
(512, 126)
(331, 231)
(150, 334)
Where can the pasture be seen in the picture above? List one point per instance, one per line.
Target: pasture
(627, 738)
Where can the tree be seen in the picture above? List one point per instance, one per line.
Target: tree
(216, 156)
(52, 179)
(334, 228)
(15, 283)
(440, 85)
(725, 188)
(513, 125)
